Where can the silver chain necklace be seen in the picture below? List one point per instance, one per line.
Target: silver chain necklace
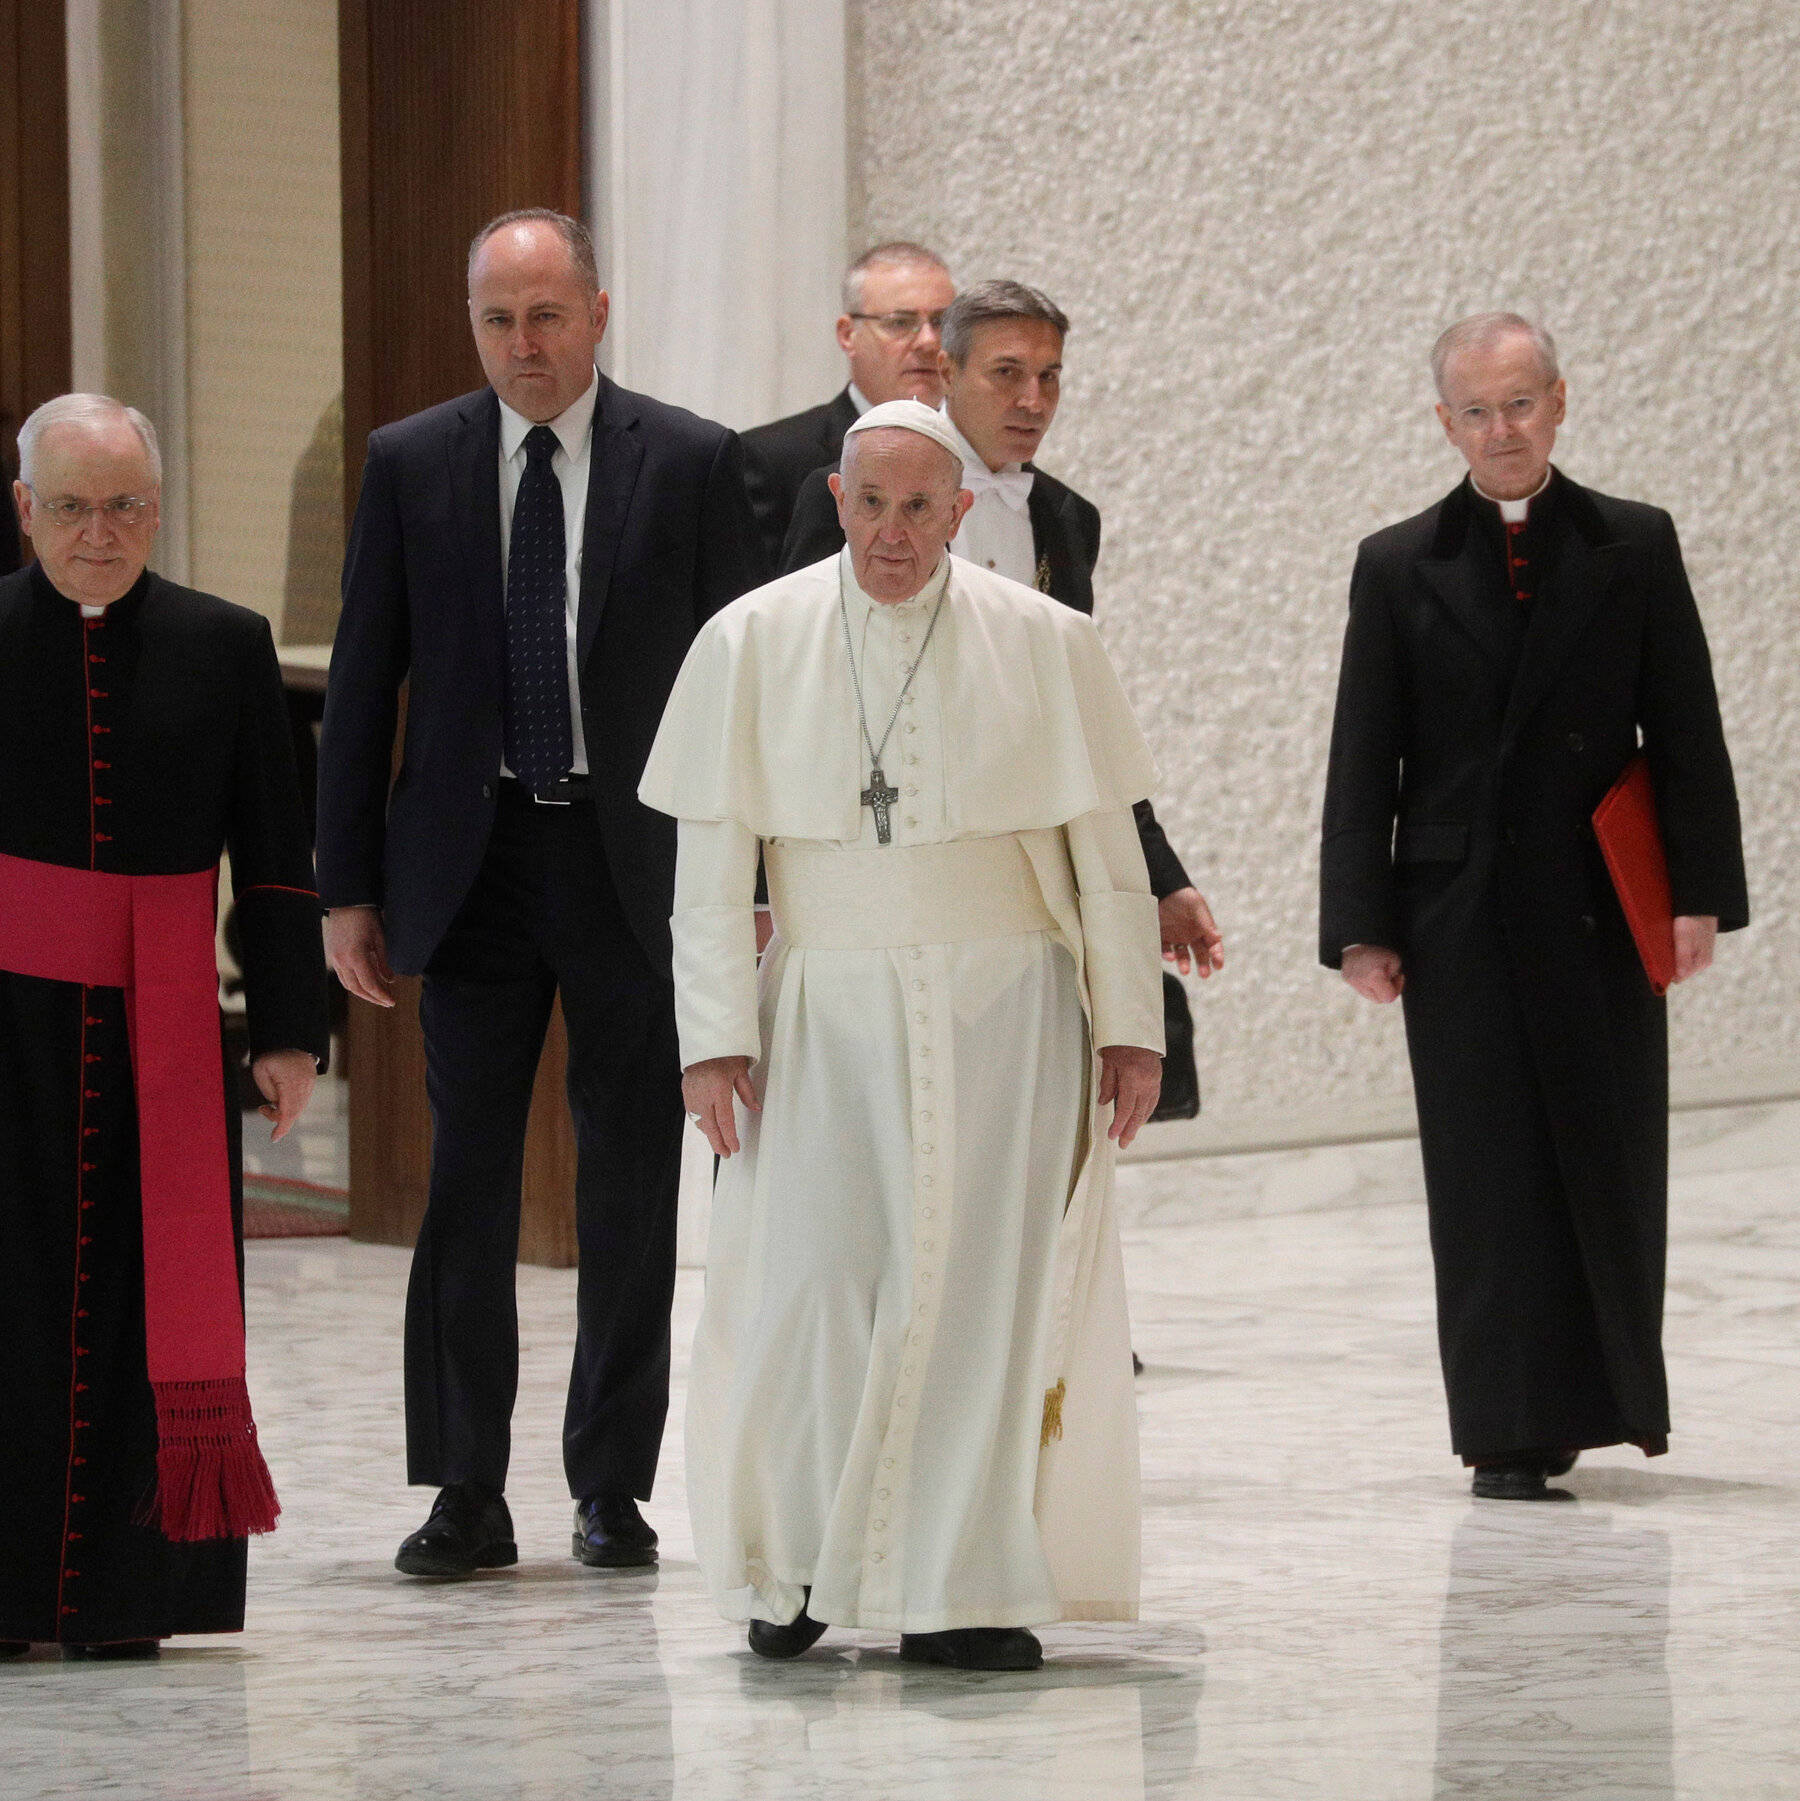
(878, 796)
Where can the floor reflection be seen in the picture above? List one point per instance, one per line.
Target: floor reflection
(1087, 1724)
(1553, 1677)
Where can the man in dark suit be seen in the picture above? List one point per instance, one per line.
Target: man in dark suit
(1002, 371)
(894, 301)
(1507, 651)
(533, 561)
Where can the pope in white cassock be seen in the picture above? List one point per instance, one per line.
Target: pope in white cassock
(911, 1404)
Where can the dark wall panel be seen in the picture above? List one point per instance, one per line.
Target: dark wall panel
(453, 111)
(34, 212)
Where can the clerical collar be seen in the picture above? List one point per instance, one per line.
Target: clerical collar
(1514, 512)
(853, 589)
(120, 608)
(859, 400)
(571, 425)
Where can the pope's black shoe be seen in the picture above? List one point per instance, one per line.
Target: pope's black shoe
(799, 1634)
(119, 1650)
(610, 1534)
(469, 1529)
(975, 1648)
(1515, 1479)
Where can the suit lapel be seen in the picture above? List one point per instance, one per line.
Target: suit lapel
(475, 481)
(1469, 599)
(1058, 573)
(1571, 595)
(613, 464)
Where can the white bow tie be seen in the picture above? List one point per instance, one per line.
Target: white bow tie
(1012, 485)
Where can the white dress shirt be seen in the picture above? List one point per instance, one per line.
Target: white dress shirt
(574, 428)
(995, 532)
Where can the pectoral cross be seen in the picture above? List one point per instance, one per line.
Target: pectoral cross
(879, 796)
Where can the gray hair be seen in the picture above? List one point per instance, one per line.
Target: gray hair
(576, 237)
(84, 409)
(991, 300)
(897, 253)
(1483, 328)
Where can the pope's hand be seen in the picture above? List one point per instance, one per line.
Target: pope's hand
(1190, 940)
(356, 949)
(1374, 972)
(707, 1090)
(285, 1080)
(1131, 1079)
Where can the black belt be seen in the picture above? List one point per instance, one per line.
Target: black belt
(566, 793)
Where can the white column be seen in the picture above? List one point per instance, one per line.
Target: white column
(716, 190)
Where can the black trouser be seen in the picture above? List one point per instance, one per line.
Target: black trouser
(543, 918)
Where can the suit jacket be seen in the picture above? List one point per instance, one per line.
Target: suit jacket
(668, 540)
(779, 456)
(1065, 529)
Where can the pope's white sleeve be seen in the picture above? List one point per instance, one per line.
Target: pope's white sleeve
(1119, 928)
(714, 927)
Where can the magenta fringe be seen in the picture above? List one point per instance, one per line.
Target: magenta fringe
(211, 1481)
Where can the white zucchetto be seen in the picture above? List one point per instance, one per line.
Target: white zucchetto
(911, 415)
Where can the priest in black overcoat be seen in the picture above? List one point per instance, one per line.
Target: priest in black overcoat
(142, 734)
(1508, 652)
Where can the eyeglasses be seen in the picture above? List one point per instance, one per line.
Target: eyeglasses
(902, 325)
(1518, 411)
(123, 510)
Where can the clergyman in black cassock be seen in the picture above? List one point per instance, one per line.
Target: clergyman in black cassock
(142, 737)
(1506, 654)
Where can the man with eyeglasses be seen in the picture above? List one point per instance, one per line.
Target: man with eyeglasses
(1002, 373)
(1508, 653)
(894, 300)
(143, 733)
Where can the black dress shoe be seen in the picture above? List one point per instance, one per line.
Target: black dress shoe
(799, 1634)
(975, 1648)
(1516, 1479)
(610, 1534)
(120, 1650)
(469, 1529)
(13, 1647)
(1561, 1463)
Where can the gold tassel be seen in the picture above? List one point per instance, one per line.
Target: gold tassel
(1053, 1400)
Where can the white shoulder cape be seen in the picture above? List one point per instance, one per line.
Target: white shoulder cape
(761, 726)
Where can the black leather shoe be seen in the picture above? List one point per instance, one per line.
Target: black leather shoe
(13, 1647)
(469, 1529)
(610, 1534)
(1561, 1463)
(799, 1634)
(975, 1648)
(1517, 1479)
(120, 1650)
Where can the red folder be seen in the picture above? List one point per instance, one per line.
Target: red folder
(1631, 841)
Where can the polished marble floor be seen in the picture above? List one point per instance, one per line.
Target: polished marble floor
(1326, 1615)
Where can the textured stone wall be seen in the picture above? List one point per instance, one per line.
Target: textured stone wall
(1258, 216)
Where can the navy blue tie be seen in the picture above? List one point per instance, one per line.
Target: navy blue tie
(540, 743)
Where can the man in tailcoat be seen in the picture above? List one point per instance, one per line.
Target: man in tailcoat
(894, 301)
(142, 733)
(1002, 374)
(1508, 650)
(532, 561)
